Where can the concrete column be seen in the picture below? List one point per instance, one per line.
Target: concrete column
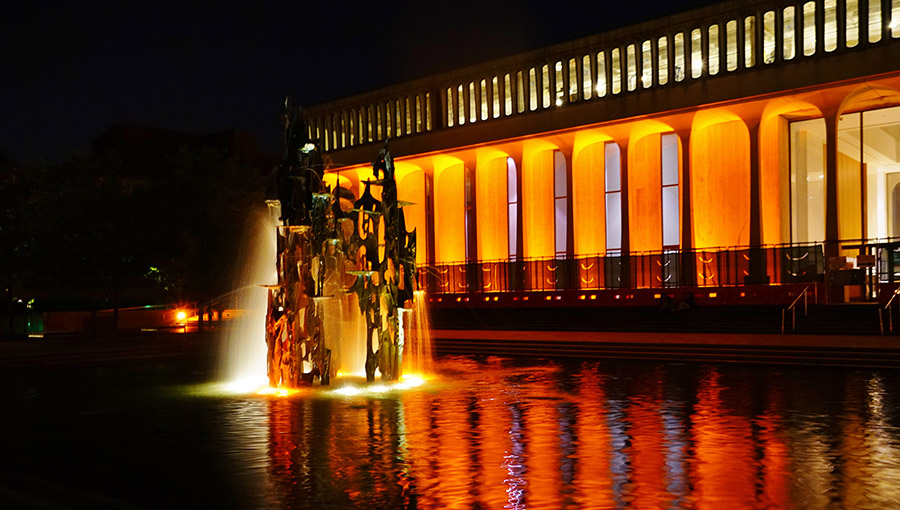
(625, 281)
(758, 271)
(831, 192)
(688, 259)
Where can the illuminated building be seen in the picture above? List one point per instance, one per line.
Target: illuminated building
(742, 145)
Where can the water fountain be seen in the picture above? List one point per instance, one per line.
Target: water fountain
(341, 273)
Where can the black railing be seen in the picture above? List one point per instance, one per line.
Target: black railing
(666, 269)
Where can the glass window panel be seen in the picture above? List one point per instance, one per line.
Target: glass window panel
(713, 34)
(788, 29)
(646, 64)
(559, 175)
(809, 28)
(428, 111)
(361, 125)
(545, 86)
(573, 80)
(881, 160)
(631, 66)
(513, 230)
(561, 225)
(601, 74)
(495, 91)
(586, 85)
(408, 116)
(398, 117)
(807, 180)
(559, 85)
(769, 37)
(874, 21)
(378, 122)
(520, 92)
(696, 53)
(507, 95)
(461, 104)
(679, 56)
(852, 31)
(450, 111)
(473, 106)
(612, 168)
(532, 89)
(616, 71)
(669, 159)
(418, 114)
(895, 19)
(662, 50)
(670, 215)
(614, 221)
(830, 29)
(512, 197)
(352, 128)
(731, 45)
(389, 119)
(372, 120)
(484, 101)
(749, 41)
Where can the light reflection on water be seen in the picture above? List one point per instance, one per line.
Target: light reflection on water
(493, 433)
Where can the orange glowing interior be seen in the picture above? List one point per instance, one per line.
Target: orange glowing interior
(589, 199)
(449, 212)
(490, 209)
(537, 202)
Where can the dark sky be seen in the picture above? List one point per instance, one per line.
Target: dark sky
(71, 70)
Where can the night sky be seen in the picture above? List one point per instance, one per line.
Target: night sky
(71, 70)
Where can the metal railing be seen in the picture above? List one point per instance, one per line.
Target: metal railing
(793, 308)
(887, 307)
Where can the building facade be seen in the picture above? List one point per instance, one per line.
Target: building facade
(742, 145)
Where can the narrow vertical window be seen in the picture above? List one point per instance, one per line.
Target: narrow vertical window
(631, 66)
(388, 119)
(731, 46)
(328, 133)
(560, 203)
(545, 86)
(696, 53)
(586, 85)
(484, 101)
(495, 92)
(418, 113)
(670, 209)
(829, 33)
(532, 89)
(646, 64)
(451, 113)
(507, 95)
(378, 122)
(769, 37)
(460, 105)
(678, 52)
(788, 30)
(616, 71)
(398, 114)
(361, 125)
(713, 34)
(874, 21)
(428, 111)
(573, 80)
(520, 92)
(749, 41)
(851, 33)
(472, 103)
(352, 128)
(372, 123)
(408, 116)
(601, 74)
(343, 129)
(559, 85)
(512, 208)
(809, 28)
(319, 130)
(612, 171)
(469, 209)
(662, 51)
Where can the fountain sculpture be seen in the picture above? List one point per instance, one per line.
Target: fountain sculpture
(327, 254)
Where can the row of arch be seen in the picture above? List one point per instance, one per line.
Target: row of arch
(732, 182)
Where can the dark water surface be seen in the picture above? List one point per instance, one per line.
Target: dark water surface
(487, 433)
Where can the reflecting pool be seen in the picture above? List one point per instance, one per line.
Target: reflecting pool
(483, 433)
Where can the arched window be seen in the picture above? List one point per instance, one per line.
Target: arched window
(613, 172)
